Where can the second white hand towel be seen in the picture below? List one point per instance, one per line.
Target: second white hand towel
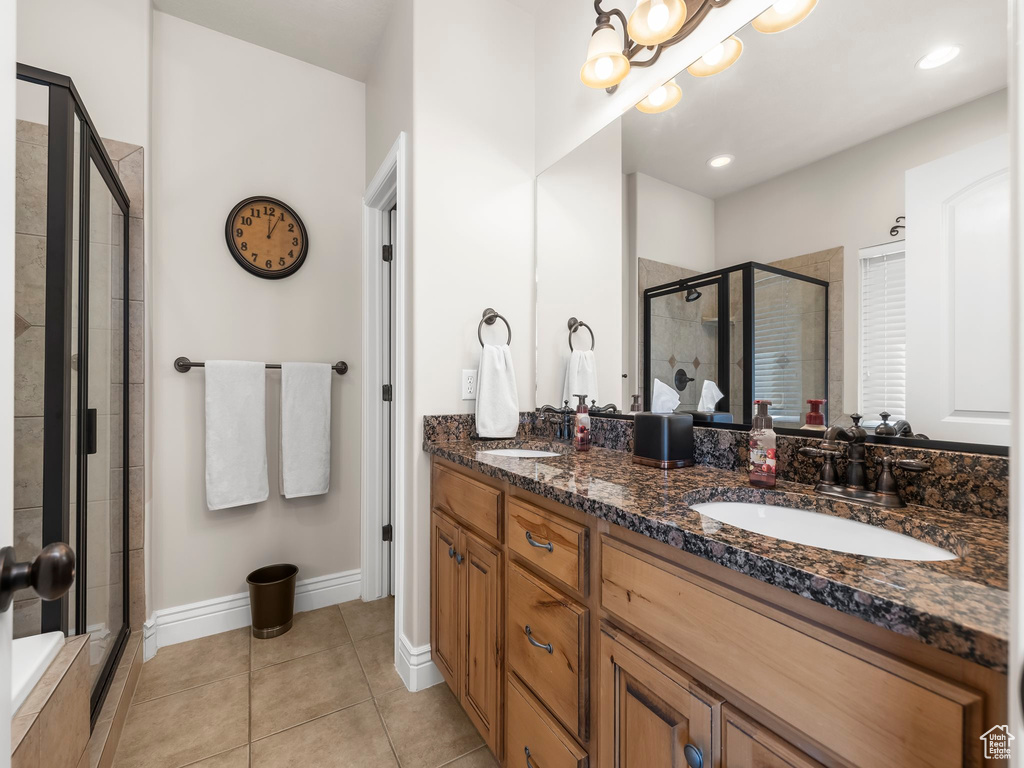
(305, 429)
(497, 399)
(581, 376)
(236, 433)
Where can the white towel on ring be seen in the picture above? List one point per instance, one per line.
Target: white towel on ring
(497, 399)
(236, 433)
(305, 465)
(581, 377)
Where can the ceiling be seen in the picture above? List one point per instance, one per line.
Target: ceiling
(845, 75)
(339, 35)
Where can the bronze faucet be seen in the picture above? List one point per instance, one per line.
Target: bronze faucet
(854, 487)
(564, 429)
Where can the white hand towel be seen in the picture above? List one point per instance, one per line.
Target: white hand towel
(497, 400)
(236, 433)
(305, 429)
(581, 377)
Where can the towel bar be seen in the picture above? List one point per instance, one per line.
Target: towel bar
(184, 365)
(575, 325)
(489, 317)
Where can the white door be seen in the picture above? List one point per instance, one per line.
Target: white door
(958, 295)
(7, 107)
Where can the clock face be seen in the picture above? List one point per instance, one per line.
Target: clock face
(266, 237)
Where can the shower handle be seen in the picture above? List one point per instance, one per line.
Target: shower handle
(51, 574)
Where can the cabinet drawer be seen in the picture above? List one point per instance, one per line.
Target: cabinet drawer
(531, 731)
(554, 664)
(465, 498)
(867, 709)
(745, 744)
(553, 544)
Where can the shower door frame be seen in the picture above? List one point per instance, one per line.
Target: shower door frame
(64, 105)
(721, 277)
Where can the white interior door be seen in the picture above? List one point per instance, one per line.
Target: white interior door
(958, 295)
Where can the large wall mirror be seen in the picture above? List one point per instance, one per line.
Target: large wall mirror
(824, 224)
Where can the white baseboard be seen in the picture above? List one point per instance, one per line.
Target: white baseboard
(170, 626)
(415, 666)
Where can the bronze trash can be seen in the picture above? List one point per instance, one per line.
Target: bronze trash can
(272, 599)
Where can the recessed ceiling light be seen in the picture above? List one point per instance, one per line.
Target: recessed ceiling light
(938, 57)
(720, 161)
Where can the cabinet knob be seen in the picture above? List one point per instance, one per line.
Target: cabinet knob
(51, 574)
(458, 558)
(451, 551)
(694, 757)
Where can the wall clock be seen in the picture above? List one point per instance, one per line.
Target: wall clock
(266, 237)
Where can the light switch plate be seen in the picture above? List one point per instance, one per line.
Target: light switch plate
(468, 384)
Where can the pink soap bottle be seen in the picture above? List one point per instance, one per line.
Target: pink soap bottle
(761, 462)
(581, 436)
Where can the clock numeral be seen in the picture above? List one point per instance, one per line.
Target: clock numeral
(295, 241)
(239, 232)
(269, 262)
(244, 246)
(280, 262)
(255, 256)
(246, 221)
(254, 212)
(269, 211)
(291, 254)
(291, 227)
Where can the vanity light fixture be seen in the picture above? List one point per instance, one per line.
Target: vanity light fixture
(606, 65)
(938, 57)
(720, 161)
(653, 22)
(783, 15)
(718, 59)
(662, 98)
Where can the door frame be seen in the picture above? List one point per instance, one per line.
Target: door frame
(387, 189)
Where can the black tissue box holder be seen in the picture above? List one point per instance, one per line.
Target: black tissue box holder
(663, 440)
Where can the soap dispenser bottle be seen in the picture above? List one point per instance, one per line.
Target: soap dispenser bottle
(581, 436)
(761, 462)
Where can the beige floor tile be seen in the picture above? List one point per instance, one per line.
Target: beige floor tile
(377, 655)
(481, 758)
(197, 662)
(351, 738)
(428, 728)
(236, 758)
(311, 632)
(184, 727)
(291, 693)
(369, 619)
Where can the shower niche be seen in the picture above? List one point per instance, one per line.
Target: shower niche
(757, 332)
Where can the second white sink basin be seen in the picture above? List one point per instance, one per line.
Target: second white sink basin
(815, 529)
(520, 453)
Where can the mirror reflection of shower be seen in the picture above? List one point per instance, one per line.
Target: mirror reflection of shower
(692, 294)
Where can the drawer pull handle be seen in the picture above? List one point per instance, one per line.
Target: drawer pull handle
(549, 546)
(529, 636)
(529, 764)
(694, 757)
(451, 551)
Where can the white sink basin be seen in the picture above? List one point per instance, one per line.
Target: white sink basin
(820, 530)
(520, 453)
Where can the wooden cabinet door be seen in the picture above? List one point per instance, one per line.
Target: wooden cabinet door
(445, 631)
(745, 744)
(651, 714)
(480, 585)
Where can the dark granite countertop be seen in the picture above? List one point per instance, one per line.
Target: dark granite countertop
(960, 606)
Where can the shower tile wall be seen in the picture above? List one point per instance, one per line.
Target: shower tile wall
(105, 475)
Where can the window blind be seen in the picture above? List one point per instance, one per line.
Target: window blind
(777, 341)
(883, 335)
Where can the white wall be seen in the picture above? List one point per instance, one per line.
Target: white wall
(389, 87)
(473, 224)
(231, 120)
(672, 225)
(579, 250)
(849, 199)
(569, 113)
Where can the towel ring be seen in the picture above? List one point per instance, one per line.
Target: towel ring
(575, 325)
(489, 317)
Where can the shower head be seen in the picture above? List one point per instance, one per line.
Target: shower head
(692, 294)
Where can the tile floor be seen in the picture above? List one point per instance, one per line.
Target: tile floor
(323, 695)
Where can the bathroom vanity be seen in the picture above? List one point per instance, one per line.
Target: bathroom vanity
(585, 615)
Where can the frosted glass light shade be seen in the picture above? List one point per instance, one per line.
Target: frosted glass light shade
(661, 99)
(783, 15)
(606, 64)
(718, 59)
(654, 21)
